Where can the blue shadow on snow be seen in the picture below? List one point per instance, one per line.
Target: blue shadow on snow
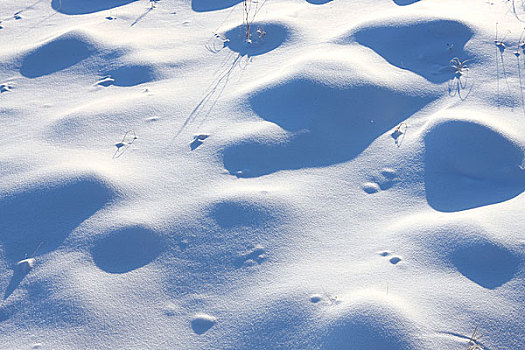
(405, 2)
(424, 47)
(47, 215)
(126, 249)
(130, 75)
(37, 220)
(212, 5)
(468, 165)
(486, 264)
(56, 55)
(264, 37)
(81, 7)
(326, 124)
(318, 2)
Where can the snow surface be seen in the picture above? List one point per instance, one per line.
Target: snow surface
(334, 184)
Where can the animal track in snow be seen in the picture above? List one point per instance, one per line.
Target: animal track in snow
(316, 298)
(371, 187)
(326, 297)
(384, 181)
(253, 257)
(5, 88)
(198, 140)
(394, 260)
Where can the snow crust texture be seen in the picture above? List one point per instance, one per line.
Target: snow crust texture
(271, 174)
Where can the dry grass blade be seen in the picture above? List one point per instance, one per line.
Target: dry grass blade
(473, 342)
(460, 67)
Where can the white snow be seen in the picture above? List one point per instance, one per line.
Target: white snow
(350, 178)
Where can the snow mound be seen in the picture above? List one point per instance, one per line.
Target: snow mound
(85, 52)
(43, 216)
(318, 2)
(486, 263)
(325, 123)
(373, 324)
(472, 251)
(57, 54)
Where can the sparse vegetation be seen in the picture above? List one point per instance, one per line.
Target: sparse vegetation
(127, 140)
(473, 342)
(246, 22)
(460, 79)
(460, 67)
(500, 42)
(250, 9)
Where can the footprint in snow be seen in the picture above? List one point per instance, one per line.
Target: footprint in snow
(394, 260)
(253, 257)
(152, 119)
(386, 179)
(5, 87)
(198, 140)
